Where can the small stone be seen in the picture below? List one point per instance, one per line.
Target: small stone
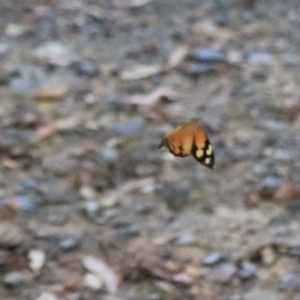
(197, 69)
(70, 243)
(54, 53)
(269, 185)
(252, 201)
(13, 279)
(207, 55)
(247, 270)
(22, 203)
(162, 240)
(184, 240)
(92, 282)
(36, 260)
(14, 29)
(109, 155)
(172, 266)
(285, 191)
(84, 68)
(87, 192)
(268, 256)
(23, 82)
(10, 236)
(90, 208)
(109, 201)
(290, 283)
(183, 278)
(47, 296)
(214, 258)
(224, 273)
(73, 283)
(260, 58)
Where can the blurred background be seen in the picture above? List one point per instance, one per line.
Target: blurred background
(90, 208)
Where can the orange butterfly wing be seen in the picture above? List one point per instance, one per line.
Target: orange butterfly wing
(190, 138)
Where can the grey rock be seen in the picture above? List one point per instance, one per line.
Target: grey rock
(70, 243)
(223, 273)
(184, 240)
(260, 58)
(207, 55)
(247, 270)
(268, 186)
(214, 258)
(109, 155)
(13, 279)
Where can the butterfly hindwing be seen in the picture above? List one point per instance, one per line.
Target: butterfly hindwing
(178, 142)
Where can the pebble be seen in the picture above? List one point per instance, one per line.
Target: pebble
(13, 279)
(14, 30)
(53, 52)
(37, 260)
(84, 68)
(183, 278)
(23, 204)
(184, 240)
(260, 58)
(290, 282)
(92, 282)
(285, 191)
(207, 55)
(197, 69)
(10, 236)
(268, 256)
(214, 259)
(268, 186)
(247, 270)
(109, 155)
(47, 296)
(70, 243)
(23, 81)
(90, 208)
(223, 273)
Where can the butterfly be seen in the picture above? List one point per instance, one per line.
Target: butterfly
(189, 138)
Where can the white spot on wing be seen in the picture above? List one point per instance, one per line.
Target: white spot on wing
(209, 150)
(199, 153)
(207, 161)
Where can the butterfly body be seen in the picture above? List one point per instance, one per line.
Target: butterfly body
(190, 139)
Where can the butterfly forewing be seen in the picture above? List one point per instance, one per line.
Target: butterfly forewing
(202, 149)
(190, 138)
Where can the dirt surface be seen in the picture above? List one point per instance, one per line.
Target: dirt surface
(90, 208)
